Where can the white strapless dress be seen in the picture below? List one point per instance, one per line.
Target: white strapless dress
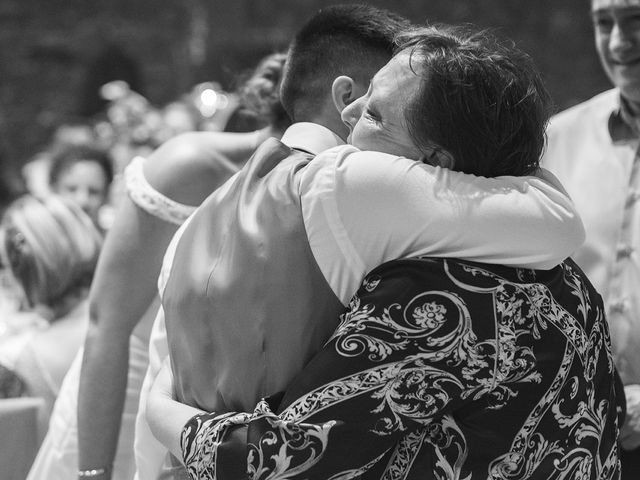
(57, 458)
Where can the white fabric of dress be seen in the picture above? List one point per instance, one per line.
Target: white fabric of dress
(57, 458)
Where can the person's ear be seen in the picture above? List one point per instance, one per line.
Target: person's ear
(343, 92)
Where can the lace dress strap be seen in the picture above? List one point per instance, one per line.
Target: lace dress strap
(149, 199)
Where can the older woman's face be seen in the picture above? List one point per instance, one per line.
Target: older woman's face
(376, 121)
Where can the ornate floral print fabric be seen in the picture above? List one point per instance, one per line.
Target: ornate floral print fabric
(440, 369)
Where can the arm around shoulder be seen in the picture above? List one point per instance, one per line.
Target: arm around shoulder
(379, 207)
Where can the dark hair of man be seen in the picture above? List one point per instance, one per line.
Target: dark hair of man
(480, 99)
(353, 40)
(68, 156)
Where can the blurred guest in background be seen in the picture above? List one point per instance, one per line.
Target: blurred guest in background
(51, 248)
(259, 104)
(83, 174)
(163, 190)
(36, 171)
(594, 149)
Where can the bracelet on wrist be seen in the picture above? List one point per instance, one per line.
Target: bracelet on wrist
(94, 472)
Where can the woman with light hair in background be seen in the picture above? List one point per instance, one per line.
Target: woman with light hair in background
(94, 423)
(51, 248)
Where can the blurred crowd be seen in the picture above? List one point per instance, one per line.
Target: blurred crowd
(53, 228)
(85, 160)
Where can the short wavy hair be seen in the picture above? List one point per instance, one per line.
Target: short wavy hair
(50, 246)
(481, 99)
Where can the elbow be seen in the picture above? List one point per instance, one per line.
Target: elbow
(569, 236)
(575, 235)
(560, 240)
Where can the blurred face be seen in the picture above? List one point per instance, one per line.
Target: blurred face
(85, 184)
(617, 35)
(376, 120)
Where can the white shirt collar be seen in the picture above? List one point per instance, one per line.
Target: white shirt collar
(310, 137)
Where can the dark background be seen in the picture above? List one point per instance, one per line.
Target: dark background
(53, 51)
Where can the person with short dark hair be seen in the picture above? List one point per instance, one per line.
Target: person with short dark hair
(346, 40)
(51, 248)
(83, 174)
(412, 354)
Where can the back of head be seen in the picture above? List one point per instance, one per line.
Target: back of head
(481, 100)
(353, 40)
(50, 246)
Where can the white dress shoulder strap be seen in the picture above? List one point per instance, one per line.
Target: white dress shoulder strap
(149, 199)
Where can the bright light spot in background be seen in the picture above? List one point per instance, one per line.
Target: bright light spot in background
(208, 102)
(209, 97)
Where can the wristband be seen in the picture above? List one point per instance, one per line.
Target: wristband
(94, 472)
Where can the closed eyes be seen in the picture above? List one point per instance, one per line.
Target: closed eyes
(372, 115)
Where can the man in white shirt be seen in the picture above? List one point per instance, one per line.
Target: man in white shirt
(594, 150)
